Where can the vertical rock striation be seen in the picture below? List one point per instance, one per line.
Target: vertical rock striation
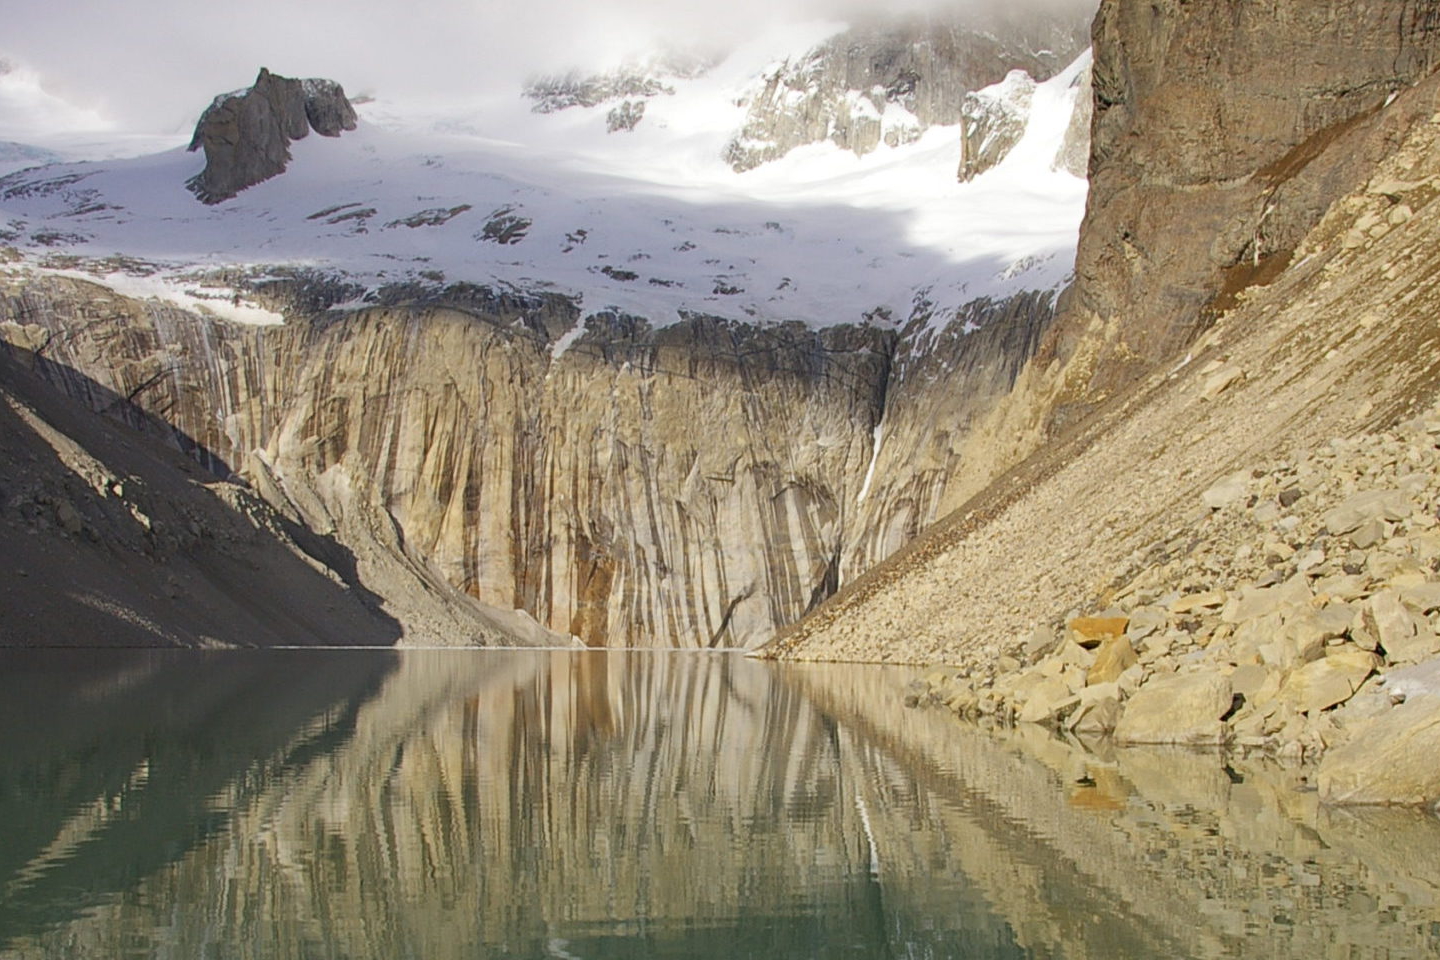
(695, 485)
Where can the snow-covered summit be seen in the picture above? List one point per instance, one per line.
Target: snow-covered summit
(653, 223)
(888, 80)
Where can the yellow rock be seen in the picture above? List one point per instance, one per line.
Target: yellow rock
(1114, 657)
(1211, 599)
(1090, 632)
(1322, 684)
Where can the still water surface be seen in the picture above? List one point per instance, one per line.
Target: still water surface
(604, 805)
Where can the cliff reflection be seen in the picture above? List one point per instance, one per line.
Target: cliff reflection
(1145, 852)
(538, 804)
(117, 763)
(532, 804)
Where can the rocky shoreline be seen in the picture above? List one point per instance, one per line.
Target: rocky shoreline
(1297, 615)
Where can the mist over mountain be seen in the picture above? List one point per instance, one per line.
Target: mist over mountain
(91, 57)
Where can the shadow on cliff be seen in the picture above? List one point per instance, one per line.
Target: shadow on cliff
(115, 539)
(126, 409)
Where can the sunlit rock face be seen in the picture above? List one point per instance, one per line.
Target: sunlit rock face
(1209, 119)
(696, 485)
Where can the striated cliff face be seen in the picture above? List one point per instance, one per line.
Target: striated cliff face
(699, 484)
(114, 538)
(692, 483)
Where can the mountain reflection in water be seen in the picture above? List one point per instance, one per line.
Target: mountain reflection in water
(592, 805)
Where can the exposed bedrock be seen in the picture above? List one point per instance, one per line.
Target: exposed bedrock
(246, 135)
(698, 484)
(1209, 160)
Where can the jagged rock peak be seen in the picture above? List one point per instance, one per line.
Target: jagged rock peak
(246, 134)
(888, 81)
(993, 121)
(634, 81)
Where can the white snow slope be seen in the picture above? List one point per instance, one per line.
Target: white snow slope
(649, 222)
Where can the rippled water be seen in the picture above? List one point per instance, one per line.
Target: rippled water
(606, 805)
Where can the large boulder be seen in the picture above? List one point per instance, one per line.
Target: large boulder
(246, 135)
(1391, 760)
(1325, 683)
(1186, 709)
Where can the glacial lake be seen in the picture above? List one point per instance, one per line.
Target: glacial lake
(464, 804)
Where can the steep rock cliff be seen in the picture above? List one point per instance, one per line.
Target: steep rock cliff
(1343, 340)
(114, 539)
(1208, 119)
(698, 484)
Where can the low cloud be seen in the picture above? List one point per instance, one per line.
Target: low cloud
(153, 64)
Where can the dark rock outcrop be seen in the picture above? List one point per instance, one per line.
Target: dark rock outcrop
(246, 135)
(1206, 114)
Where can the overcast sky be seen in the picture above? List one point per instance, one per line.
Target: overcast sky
(154, 64)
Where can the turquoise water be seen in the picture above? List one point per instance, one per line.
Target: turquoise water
(605, 805)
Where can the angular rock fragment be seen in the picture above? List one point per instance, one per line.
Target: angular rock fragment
(1113, 658)
(1389, 505)
(1390, 760)
(1183, 709)
(1049, 700)
(1221, 380)
(1326, 683)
